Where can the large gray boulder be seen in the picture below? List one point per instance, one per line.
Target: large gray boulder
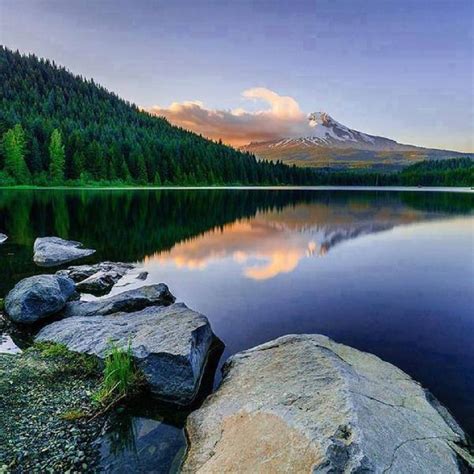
(38, 297)
(97, 279)
(170, 344)
(126, 302)
(53, 251)
(303, 403)
(3, 238)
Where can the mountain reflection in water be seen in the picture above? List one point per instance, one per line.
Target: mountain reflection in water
(274, 242)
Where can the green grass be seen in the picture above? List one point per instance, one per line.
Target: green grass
(121, 377)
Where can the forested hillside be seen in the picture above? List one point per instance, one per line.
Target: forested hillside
(57, 128)
(60, 128)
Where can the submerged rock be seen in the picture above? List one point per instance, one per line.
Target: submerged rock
(52, 251)
(97, 279)
(303, 403)
(38, 297)
(126, 302)
(3, 237)
(170, 344)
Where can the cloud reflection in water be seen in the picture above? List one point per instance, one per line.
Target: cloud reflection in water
(272, 243)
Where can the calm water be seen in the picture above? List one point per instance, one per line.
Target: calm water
(386, 272)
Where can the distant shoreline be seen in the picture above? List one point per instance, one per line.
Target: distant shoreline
(452, 189)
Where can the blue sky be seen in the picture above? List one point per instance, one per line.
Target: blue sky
(401, 69)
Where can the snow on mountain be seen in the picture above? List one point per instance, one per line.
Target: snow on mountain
(329, 132)
(332, 144)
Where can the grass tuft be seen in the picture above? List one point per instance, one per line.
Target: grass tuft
(121, 379)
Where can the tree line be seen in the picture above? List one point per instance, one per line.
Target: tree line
(60, 129)
(447, 172)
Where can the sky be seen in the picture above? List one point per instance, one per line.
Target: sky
(248, 70)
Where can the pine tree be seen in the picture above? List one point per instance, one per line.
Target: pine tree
(33, 159)
(157, 180)
(125, 172)
(14, 144)
(77, 165)
(142, 177)
(57, 157)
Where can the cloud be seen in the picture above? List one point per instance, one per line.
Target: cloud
(281, 119)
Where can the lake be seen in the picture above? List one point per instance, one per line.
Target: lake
(388, 272)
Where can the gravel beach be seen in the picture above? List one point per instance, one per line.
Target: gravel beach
(38, 393)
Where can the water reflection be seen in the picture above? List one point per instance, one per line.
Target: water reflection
(275, 241)
(387, 272)
(131, 225)
(142, 444)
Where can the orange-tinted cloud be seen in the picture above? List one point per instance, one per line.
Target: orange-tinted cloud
(282, 118)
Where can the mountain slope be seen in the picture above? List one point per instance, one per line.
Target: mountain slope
(332, 144)
(101, 137)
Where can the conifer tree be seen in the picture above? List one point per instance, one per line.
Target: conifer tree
(157, 180)
(14, 144)
(57, 157)
(142, 177)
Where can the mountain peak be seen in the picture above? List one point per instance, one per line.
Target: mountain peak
(320, 118)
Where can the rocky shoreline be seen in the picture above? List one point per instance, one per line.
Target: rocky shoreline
(300, 402)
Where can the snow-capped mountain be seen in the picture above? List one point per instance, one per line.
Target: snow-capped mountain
(332, 144)
(328, 132)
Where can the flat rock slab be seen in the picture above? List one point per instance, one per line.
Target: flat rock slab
(97, 279)
(170, 344)
(53, 251)
(303, 403)
(3, 238)
(38, 297)
(126, 302)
